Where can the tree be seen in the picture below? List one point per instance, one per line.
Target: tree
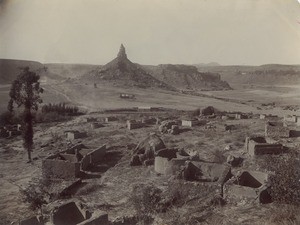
(25, 91)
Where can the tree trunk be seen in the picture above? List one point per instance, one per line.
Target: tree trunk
(28, 132)
(29, 154)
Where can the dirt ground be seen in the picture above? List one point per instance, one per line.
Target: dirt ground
(112, 190)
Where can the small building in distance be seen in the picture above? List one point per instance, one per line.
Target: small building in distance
(240, 116)
(291, 118)
(133, 124)
(190, 123)
(75, 134)
(110, 119)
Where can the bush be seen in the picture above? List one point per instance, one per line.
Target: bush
(9, 118)
(285, 182)
(36, 193)
(6, 118)
(218, 156)
(146, 200)
(284, 215)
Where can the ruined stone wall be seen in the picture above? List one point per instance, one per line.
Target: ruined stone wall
(276, 131)
(101, 218)
(69, 213)
(249, 186)
(69, 157)
(85, 162)
(160, 164)
(56, 168)
(136, 125)
(174, 166)
(292, 119)
(93, 157)
(255, 148)
(97, 154)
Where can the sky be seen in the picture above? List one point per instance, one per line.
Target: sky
(231, 32)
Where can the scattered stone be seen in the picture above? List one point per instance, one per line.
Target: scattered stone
(166, 125)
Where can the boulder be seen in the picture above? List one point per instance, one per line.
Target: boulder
(234, 160)
(152, 142)
(166, 125)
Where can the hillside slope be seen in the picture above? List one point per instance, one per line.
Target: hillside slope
(10, 69)
(69, 70)
(187, 77)
(269, 74)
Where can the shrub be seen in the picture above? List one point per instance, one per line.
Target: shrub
(284, 215)
(146, 200)
(36, 193)
(6, 118)
(218, 156)
(285, 182)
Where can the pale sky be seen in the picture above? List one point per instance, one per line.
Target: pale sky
(251, 32)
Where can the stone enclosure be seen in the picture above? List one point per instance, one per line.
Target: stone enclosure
(261, 145)
(71, 163)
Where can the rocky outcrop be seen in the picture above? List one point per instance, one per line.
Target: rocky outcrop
(123, 72)
(187, 77)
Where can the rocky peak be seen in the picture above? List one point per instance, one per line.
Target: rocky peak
(122, 53)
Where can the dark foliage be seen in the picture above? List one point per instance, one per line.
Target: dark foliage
(25, 92)
(60, 109)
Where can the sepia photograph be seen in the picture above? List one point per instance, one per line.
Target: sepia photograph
(149, 112)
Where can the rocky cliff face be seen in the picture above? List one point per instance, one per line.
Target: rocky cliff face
(187, 77)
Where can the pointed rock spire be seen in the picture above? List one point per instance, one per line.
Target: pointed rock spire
(122, 52)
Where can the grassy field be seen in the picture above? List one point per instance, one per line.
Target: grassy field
(107, 97)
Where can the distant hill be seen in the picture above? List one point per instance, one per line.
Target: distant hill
(69, 70)
(10, 69)
(269, 74)
(207, 64)
(187, 77)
